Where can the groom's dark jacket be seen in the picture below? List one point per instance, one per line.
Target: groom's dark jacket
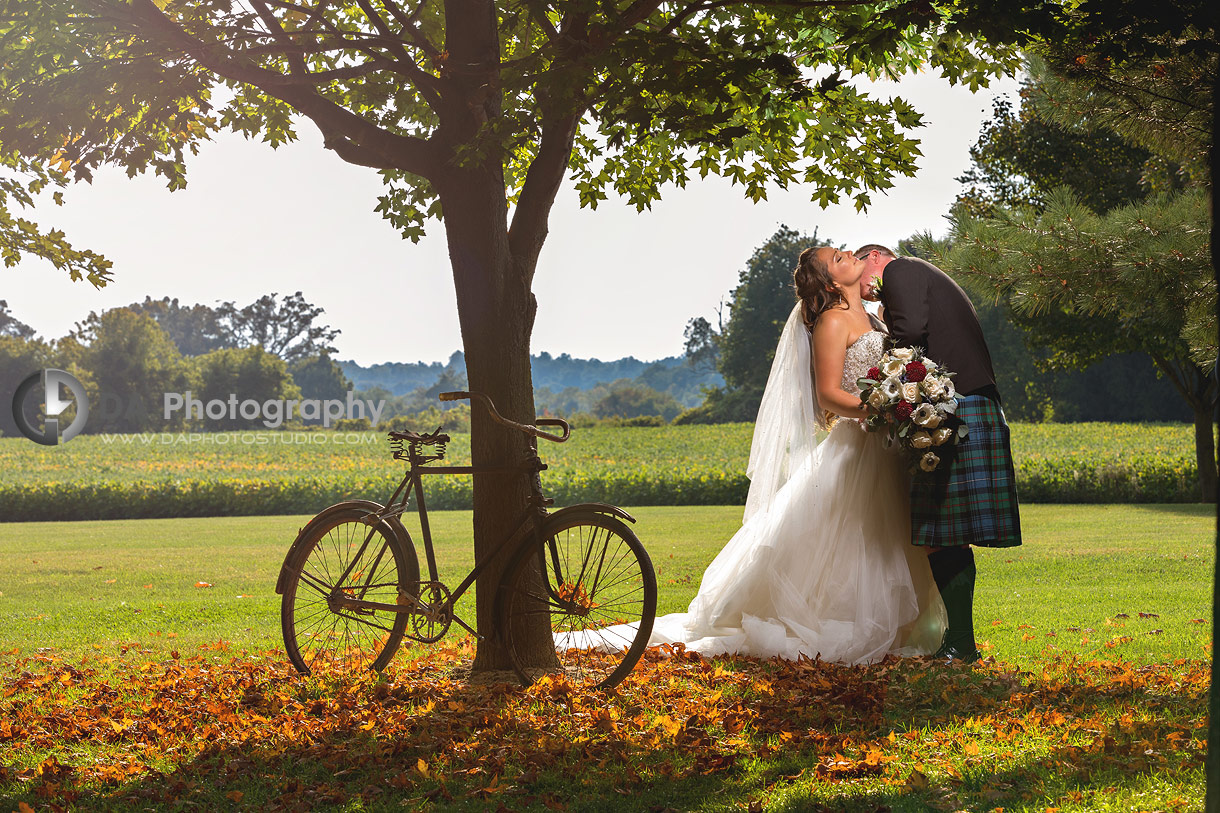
(925, 308)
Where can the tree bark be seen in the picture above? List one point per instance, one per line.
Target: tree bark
(496, 313)
(1198, 389)
(1213, 727)
(495, 304)
(1205, 451)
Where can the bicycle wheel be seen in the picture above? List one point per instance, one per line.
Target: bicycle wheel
(591, 588)
(321, 635)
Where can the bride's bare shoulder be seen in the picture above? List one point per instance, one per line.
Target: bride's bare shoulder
(832, 325)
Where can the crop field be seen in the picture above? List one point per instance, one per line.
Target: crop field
(245, 473)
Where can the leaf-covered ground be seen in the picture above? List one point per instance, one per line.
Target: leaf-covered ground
(211, 729)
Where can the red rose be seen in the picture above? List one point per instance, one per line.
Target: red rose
(903, 410)
(874, 374)
(916, 372)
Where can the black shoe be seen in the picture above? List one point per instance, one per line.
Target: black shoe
(948, 653)
(954, 572)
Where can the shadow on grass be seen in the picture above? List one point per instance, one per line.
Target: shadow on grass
(683, 733)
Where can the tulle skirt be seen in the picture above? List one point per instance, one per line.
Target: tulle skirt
(827, 571)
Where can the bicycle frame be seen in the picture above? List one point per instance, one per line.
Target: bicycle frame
(398, 505)
(534, 518)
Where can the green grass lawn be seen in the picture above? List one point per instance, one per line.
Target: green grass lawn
(124, 685)
(1078, 585)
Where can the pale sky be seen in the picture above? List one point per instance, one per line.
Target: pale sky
(610, 282)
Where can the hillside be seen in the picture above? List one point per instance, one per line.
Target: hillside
(552, 373)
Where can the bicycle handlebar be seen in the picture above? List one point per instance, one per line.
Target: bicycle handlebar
(498, 418)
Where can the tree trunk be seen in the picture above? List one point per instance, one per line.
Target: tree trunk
(1198, 389)
(495, 305)
(1205, 451)
(493, 272)
(1213, 726)
(496, 312)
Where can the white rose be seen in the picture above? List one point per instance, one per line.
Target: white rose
(925, 415)
(903, 354)
(929, 461)
(891, 366)
(921, 440)
(875, 399)
(931, 366)
(947, 407)
(933, 387)
(891, 388)
(942, 435)
(910, 392)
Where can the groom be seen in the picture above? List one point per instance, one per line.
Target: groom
(972, 498)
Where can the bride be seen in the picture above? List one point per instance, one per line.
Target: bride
(823, 564)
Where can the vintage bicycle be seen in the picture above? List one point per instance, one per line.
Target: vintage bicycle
(352, 590)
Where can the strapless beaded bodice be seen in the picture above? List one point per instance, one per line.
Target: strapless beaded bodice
(862, 354)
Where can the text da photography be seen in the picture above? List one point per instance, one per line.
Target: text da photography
(272, 412)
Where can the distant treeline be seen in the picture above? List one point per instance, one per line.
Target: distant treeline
(275, 349)
(587, 389)
(553, 373)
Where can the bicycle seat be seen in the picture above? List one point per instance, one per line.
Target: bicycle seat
(431, 439)
(414, 444)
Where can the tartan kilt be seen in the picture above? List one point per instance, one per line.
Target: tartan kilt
(972, 498)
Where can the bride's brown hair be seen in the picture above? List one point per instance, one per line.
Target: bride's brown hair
(814, 286)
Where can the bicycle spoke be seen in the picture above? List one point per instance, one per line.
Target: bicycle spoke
(322, 634)
(317, 584)
(365, 622)
(598, 591)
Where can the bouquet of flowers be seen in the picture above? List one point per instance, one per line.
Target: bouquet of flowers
(912, 399)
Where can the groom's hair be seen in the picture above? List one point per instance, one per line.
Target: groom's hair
(862, 250)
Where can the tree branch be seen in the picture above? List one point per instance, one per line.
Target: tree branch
(710, 5)
(425, 83)
(405, 65)
(548, 28)
(528, 230)
(1176, 378)
(296, 61)
(409, 23)
(353, 137)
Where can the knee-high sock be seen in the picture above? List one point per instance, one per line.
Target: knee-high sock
(954, 572)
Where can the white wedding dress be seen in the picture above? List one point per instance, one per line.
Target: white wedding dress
(823, 564)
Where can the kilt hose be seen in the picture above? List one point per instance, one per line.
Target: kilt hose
(972, 498)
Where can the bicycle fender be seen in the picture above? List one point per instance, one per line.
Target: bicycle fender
(321, 516)
(596, 507)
